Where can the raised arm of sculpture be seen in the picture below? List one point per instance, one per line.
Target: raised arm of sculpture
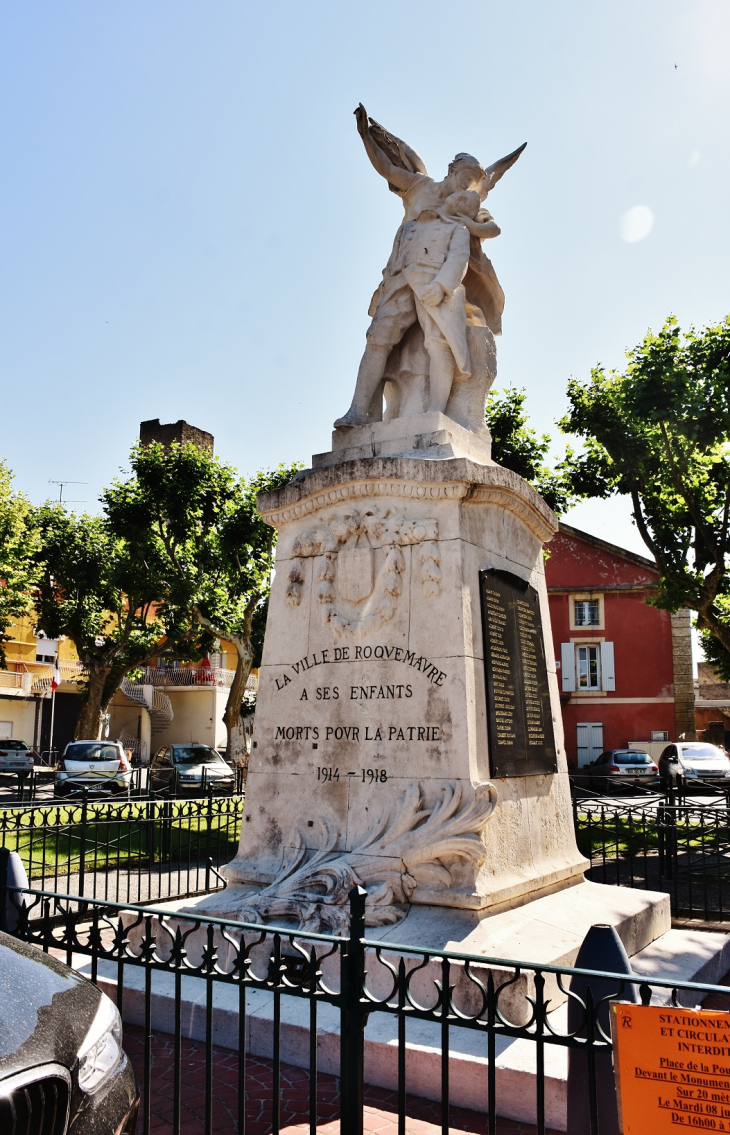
(393, 159)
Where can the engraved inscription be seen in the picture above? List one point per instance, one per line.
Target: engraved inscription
(521, 738)
(379, 653)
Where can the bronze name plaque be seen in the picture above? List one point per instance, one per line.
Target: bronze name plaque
(521, 736)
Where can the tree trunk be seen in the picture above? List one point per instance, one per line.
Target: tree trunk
(88, 724)
(232, 714)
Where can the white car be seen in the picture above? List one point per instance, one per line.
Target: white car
(694, 760)
(15, 756)
(99, 766)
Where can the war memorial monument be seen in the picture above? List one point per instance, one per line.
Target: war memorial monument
(408, 731)
(408, 735)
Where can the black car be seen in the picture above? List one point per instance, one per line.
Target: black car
(62, 1067)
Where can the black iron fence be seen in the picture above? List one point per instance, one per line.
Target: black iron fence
(317, 1000)
(682, 849)
(130, 851)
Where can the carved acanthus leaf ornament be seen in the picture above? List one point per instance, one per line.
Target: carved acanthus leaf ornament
(409, 843)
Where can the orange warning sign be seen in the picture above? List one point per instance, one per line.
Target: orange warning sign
(672, 1068)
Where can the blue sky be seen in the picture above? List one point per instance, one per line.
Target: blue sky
(190, 228)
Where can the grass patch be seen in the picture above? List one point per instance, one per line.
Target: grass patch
(55, 842)
(617, 836)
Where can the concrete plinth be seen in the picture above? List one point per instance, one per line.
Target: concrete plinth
(431, 436)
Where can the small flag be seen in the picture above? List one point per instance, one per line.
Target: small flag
(56, 680)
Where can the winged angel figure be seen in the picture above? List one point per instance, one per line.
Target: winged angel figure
(437, 285)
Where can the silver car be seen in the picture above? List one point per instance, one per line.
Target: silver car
(181, 769)
(99, 766)
(694, 761)
(15, 756)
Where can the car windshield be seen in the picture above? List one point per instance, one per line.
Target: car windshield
(91, 751)
(700, 753)
(632, 758)
(195, 755)
(14, 745)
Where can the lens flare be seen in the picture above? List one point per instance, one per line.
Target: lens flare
(636, 223)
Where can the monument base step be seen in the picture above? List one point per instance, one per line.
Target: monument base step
(549, 931)
(677, 955)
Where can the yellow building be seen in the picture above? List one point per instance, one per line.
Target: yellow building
(177, 703)
(165, 704)
(25, 687)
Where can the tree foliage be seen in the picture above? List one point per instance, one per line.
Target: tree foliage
(18, 544)
(108, 595)
(518, 447)
(660, 432)
(200, 522)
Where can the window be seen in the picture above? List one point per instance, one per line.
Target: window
(587, 668)
(587, 612)
(46, 649)
(90, 751)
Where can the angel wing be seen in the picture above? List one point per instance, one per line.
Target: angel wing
(398, 151)
(497, 169)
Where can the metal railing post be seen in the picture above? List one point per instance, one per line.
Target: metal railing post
(82, 850)
(208, 833)
(353, 1017)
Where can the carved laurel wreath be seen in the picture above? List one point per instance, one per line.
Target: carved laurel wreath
(388, 531)
(407, 844)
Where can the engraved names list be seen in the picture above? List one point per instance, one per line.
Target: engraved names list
(521, 736)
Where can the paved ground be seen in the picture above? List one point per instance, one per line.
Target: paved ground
(380, 1105)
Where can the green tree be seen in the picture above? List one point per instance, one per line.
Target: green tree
(18, 543)
(201, 521)
(107, 594)
(660, 433)
(518, 447)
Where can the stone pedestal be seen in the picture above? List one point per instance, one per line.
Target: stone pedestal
(430, 436)
(370, 759)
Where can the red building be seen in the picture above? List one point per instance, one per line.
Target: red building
(624, 668)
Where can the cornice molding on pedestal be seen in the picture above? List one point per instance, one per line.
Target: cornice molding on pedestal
(498, 495)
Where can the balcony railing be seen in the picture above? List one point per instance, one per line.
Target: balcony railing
(11, 680)
(196, 676)
(192, 676)
(70, 672)
(185, 676)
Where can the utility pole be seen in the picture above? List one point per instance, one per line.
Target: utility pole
(62, 485)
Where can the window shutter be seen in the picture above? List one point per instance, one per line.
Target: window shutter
(608, 674)
(567, 665)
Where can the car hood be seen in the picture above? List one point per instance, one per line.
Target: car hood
(706, 765)
(210, 770)
(46, 1009)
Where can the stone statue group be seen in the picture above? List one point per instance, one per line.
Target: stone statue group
(430, 345)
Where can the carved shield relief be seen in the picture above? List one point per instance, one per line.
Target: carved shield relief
(355, 573)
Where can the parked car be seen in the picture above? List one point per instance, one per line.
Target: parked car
(694, 761)
(623, 767)
(63, 1070)
(16, 756)
(99, 766)
(190, 768)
